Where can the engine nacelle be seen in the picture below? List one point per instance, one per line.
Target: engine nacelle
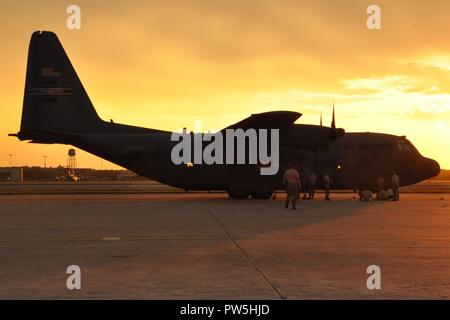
(310, 137)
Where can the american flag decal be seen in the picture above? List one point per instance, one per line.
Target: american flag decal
(49, 72)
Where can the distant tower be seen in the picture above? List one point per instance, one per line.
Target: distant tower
(71, 162)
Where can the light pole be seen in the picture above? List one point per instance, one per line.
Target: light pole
(45, 161)
(10, 160)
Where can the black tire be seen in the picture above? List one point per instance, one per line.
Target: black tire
(265, 191)
(238, 194)
(262, 194)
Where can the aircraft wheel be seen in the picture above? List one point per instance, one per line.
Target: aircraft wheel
(266, 194)
(265, 191)
(238, 194)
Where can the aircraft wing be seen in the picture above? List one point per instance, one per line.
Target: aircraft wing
(267, 120)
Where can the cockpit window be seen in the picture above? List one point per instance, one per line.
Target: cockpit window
(402, 145)
(405, 145)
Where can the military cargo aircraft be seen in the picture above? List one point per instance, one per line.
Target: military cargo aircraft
(57, 109)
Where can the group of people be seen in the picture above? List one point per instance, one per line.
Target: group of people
(293, 185)
(383, 194)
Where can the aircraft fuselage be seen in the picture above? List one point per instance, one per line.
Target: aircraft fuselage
(354, 161)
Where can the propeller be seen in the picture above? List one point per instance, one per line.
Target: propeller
(335, 132)
(333, 122)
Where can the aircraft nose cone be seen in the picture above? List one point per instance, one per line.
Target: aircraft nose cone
(431, 168)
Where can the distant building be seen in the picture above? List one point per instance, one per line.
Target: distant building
(13, 174)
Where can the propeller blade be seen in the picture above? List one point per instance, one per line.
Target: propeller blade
(333, 122)
(335, 133)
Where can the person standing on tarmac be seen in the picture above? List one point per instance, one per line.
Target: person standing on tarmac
(292, 182)
(380, 187)
(326, 185)
(305, 184)
(395, 182)
(312, 179)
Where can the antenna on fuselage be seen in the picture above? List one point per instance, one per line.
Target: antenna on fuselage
(333, 122)
(333, 130)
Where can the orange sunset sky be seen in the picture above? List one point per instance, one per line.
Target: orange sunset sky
(167, 64)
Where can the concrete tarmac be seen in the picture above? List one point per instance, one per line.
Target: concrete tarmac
(150, 186)
(200, 246)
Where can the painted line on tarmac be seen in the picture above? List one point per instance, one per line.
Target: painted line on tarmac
(245, 254)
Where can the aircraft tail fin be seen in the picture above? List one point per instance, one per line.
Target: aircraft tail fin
(54, 98)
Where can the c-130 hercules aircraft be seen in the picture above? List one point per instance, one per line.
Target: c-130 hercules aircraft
(57, 109)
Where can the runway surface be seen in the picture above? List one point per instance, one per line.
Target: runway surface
(189, 246)
(150, 187)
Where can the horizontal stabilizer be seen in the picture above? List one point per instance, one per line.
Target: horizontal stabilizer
(46, 136)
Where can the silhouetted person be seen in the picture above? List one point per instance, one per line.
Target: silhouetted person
(382, 195)
(390, 194)
(395, 182)
(326, 185)
(365, 195)
(292, 181)
(380, 187)
(305, 184)
(312, 180)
